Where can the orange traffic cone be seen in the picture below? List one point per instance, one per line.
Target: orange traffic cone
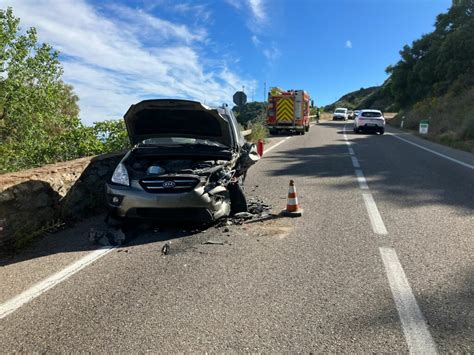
(293, 208)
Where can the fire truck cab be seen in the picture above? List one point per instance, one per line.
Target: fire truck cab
(288, 111)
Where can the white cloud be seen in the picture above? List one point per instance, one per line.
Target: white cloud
(271, 53)
(255, 40)
(116, 59)
(257, 9)
(348, 44)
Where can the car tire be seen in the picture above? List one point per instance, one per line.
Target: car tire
(238, 201)
(382, 131)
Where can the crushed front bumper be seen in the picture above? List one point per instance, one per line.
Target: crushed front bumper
(134, 202)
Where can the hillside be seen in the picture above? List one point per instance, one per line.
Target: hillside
(433, 80)
(376, 97)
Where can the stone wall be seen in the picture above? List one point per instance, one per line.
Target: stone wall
(32, 201)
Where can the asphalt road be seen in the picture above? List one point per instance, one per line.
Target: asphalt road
(381, 261)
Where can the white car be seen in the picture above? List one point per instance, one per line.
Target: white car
(340, 114)
(369, 120)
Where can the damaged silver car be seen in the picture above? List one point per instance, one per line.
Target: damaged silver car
(187, 163)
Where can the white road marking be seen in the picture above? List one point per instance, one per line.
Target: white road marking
(355, 162)
(361, 179)
(276, 145)
(41, 287)
(434, 152)
(414, 326)
(375, 219)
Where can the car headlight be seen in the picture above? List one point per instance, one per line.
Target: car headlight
(120, 175)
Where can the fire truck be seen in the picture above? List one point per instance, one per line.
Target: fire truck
(288, 111)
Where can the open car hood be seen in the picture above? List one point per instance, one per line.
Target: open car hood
(176, 118)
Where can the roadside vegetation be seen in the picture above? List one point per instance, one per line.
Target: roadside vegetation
(253, 116)
(39, 114)
(433, 80)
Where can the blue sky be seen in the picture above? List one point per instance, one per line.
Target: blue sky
(116, 53)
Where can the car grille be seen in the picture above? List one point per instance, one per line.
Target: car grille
(169, 185)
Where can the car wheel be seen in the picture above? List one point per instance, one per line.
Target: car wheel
(238, 202)
(382, 131)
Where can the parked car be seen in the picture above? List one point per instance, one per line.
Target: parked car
(340, 113)
(369, 120)
(355, 113)
(187, 163)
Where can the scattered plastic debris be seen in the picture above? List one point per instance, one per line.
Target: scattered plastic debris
(213, 242)
(106, 237)
(165, 250)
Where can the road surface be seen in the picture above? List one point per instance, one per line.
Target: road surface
(381, 261)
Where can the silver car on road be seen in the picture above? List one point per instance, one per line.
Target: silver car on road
(187, 163)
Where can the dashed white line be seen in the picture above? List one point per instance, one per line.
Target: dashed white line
(434, 152)
(41, 287)
(355, 162)
(374, 215)
(276, 145)
(414, 326)
(361, 179)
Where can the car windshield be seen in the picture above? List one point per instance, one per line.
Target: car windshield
(371, 114)
(340, 111)
(180, 141)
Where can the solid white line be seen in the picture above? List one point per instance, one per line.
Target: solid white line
(361, 179)
(355, 162)
(414, 326)
(41, 287)
(276, 145)
(374, 215)
(435, 152)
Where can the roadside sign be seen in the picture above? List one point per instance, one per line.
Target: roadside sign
(423, 128)
(240, 98)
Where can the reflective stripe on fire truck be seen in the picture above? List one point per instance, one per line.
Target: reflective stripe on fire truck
(285, 110)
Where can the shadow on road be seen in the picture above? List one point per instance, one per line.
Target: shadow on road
(76, 238)
(396, 171)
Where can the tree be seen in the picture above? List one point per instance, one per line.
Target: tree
(39, 113)
(251, 111)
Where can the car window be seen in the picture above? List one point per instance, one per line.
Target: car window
(371, 114)
(340, 111)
